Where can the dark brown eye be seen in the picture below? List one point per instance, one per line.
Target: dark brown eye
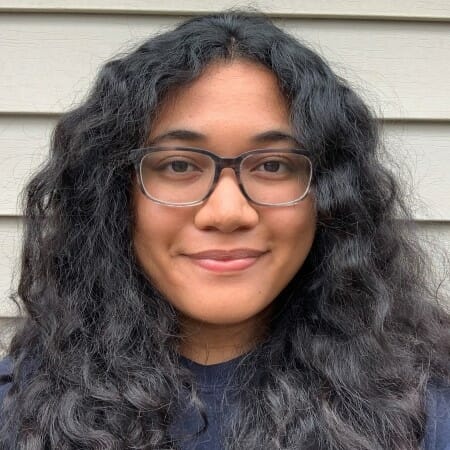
(271, 166)
(179, 166)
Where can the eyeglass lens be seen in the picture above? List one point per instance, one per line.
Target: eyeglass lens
(181, 176)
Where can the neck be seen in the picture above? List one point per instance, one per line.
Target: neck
(206, 343)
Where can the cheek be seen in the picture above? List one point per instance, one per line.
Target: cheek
(294, 231)
(294, 223)
(155, 232)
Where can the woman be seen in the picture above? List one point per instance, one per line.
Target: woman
(214, 257)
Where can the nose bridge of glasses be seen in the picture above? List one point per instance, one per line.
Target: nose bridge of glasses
(225, 163)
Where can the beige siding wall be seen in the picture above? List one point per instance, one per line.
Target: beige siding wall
(401, 67)
(396, 54)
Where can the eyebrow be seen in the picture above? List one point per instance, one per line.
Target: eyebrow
(261, 138)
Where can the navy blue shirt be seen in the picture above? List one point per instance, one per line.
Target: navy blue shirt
(213, 383)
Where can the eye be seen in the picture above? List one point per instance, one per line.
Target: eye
(179, 166)
(175, 166)
(274, 165)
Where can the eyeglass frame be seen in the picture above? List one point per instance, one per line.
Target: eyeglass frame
(220, 163)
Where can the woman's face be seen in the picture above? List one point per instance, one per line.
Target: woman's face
(229, 104)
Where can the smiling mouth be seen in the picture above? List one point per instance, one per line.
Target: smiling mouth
(222, 255)
(226, 260)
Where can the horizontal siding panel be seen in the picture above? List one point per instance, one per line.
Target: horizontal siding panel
(421, 156)
(403, 9)
(421, 150)
(10, 229)
(49, 60)
(23, 147)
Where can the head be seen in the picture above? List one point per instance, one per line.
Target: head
(231, 82)
(109, 278)
(230, 103)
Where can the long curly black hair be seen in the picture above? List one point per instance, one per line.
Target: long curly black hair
(355, 338)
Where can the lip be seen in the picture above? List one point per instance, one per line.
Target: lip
(226, 260)
(226, 255)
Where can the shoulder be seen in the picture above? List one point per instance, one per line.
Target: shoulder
(5, 377)
(437, 434)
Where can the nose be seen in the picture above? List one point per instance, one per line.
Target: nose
(226, 209)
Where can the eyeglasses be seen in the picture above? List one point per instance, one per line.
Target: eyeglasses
(186, 176)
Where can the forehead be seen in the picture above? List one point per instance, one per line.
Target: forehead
(229, 97)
